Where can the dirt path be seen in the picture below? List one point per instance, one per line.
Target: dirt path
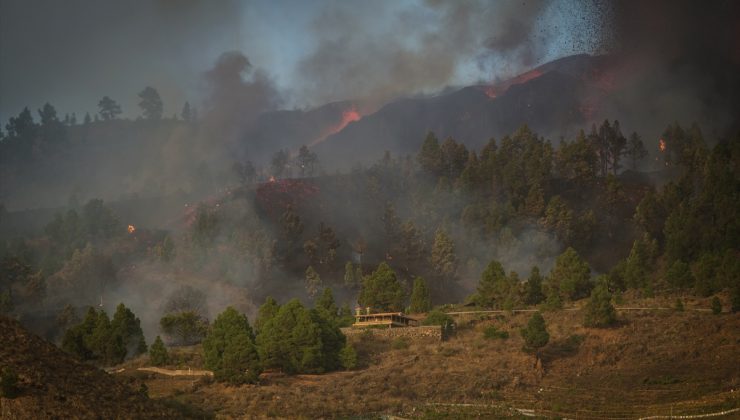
(170, 372)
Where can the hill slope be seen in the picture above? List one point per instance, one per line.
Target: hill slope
(54, 385)
(639, 368)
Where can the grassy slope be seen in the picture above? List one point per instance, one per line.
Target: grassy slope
(652, 363)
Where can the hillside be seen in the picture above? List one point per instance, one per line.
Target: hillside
(638, 368)
(54, 385)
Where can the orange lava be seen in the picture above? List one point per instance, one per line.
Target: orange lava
(348, 116)
(496, 90)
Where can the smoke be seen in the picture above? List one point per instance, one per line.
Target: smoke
(679, 61)
(364, 54)
(237, 93)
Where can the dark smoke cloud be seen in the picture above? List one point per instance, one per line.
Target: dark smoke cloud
(237, 94)
(365, 55)
(681, 61)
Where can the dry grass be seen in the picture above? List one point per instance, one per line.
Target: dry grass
(650, 362)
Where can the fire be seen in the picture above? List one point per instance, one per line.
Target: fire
(131, 229)
(348, 116)
(272, 178)
(661, 145)
(495, 90)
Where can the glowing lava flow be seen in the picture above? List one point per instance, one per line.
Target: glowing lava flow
(496, 90)
(348, 116)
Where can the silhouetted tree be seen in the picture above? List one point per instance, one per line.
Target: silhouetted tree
(151, 104)
(108, 109)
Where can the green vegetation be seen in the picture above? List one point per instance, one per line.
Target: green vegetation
(382, 291)
(535, 334)
(716, 306)
(158, 355)
(492, 333)
(348, 357)
(229, 349)
(599, 309)
(104, 341)
(184, 328)
(299, 340)
(8, 383)
(420, 300)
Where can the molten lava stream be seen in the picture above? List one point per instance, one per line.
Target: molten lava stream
(348, 116)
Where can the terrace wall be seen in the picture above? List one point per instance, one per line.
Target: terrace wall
(423, 333)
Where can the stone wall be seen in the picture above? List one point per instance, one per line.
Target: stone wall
(424, 333)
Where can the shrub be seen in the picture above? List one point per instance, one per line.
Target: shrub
(8, 383)
(399, 344)
(491, 333)
(735, 299)
(716, 306)
(535, 335)
(158, 355)
(348, 357)
(438, 318)
(678, 306)
(599, 309)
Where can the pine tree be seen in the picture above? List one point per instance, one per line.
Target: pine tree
(381, 290)
(326, 305)
(158, 355)
(151, 103)
(349, 275)
(599, 309)
(266, 312)
(494, 287)
(126, 325)
(533, 293)
(570, 276)
(348, 357)
(420, 300)
(535, 335)
(109, 109)
(430, 155)
(313, 282)
(444, 261)
(229, 349)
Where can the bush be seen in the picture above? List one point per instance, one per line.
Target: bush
(491, 333)
(158, 355)
(678, 306)
(535, 335)
(348, 357)
(438, 318)
(399, 344)
(716, 306)
(599, 309)
(8, 383)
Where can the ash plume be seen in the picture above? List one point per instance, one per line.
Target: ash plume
(365, 55)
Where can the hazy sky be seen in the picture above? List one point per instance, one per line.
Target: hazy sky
(73, 52)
